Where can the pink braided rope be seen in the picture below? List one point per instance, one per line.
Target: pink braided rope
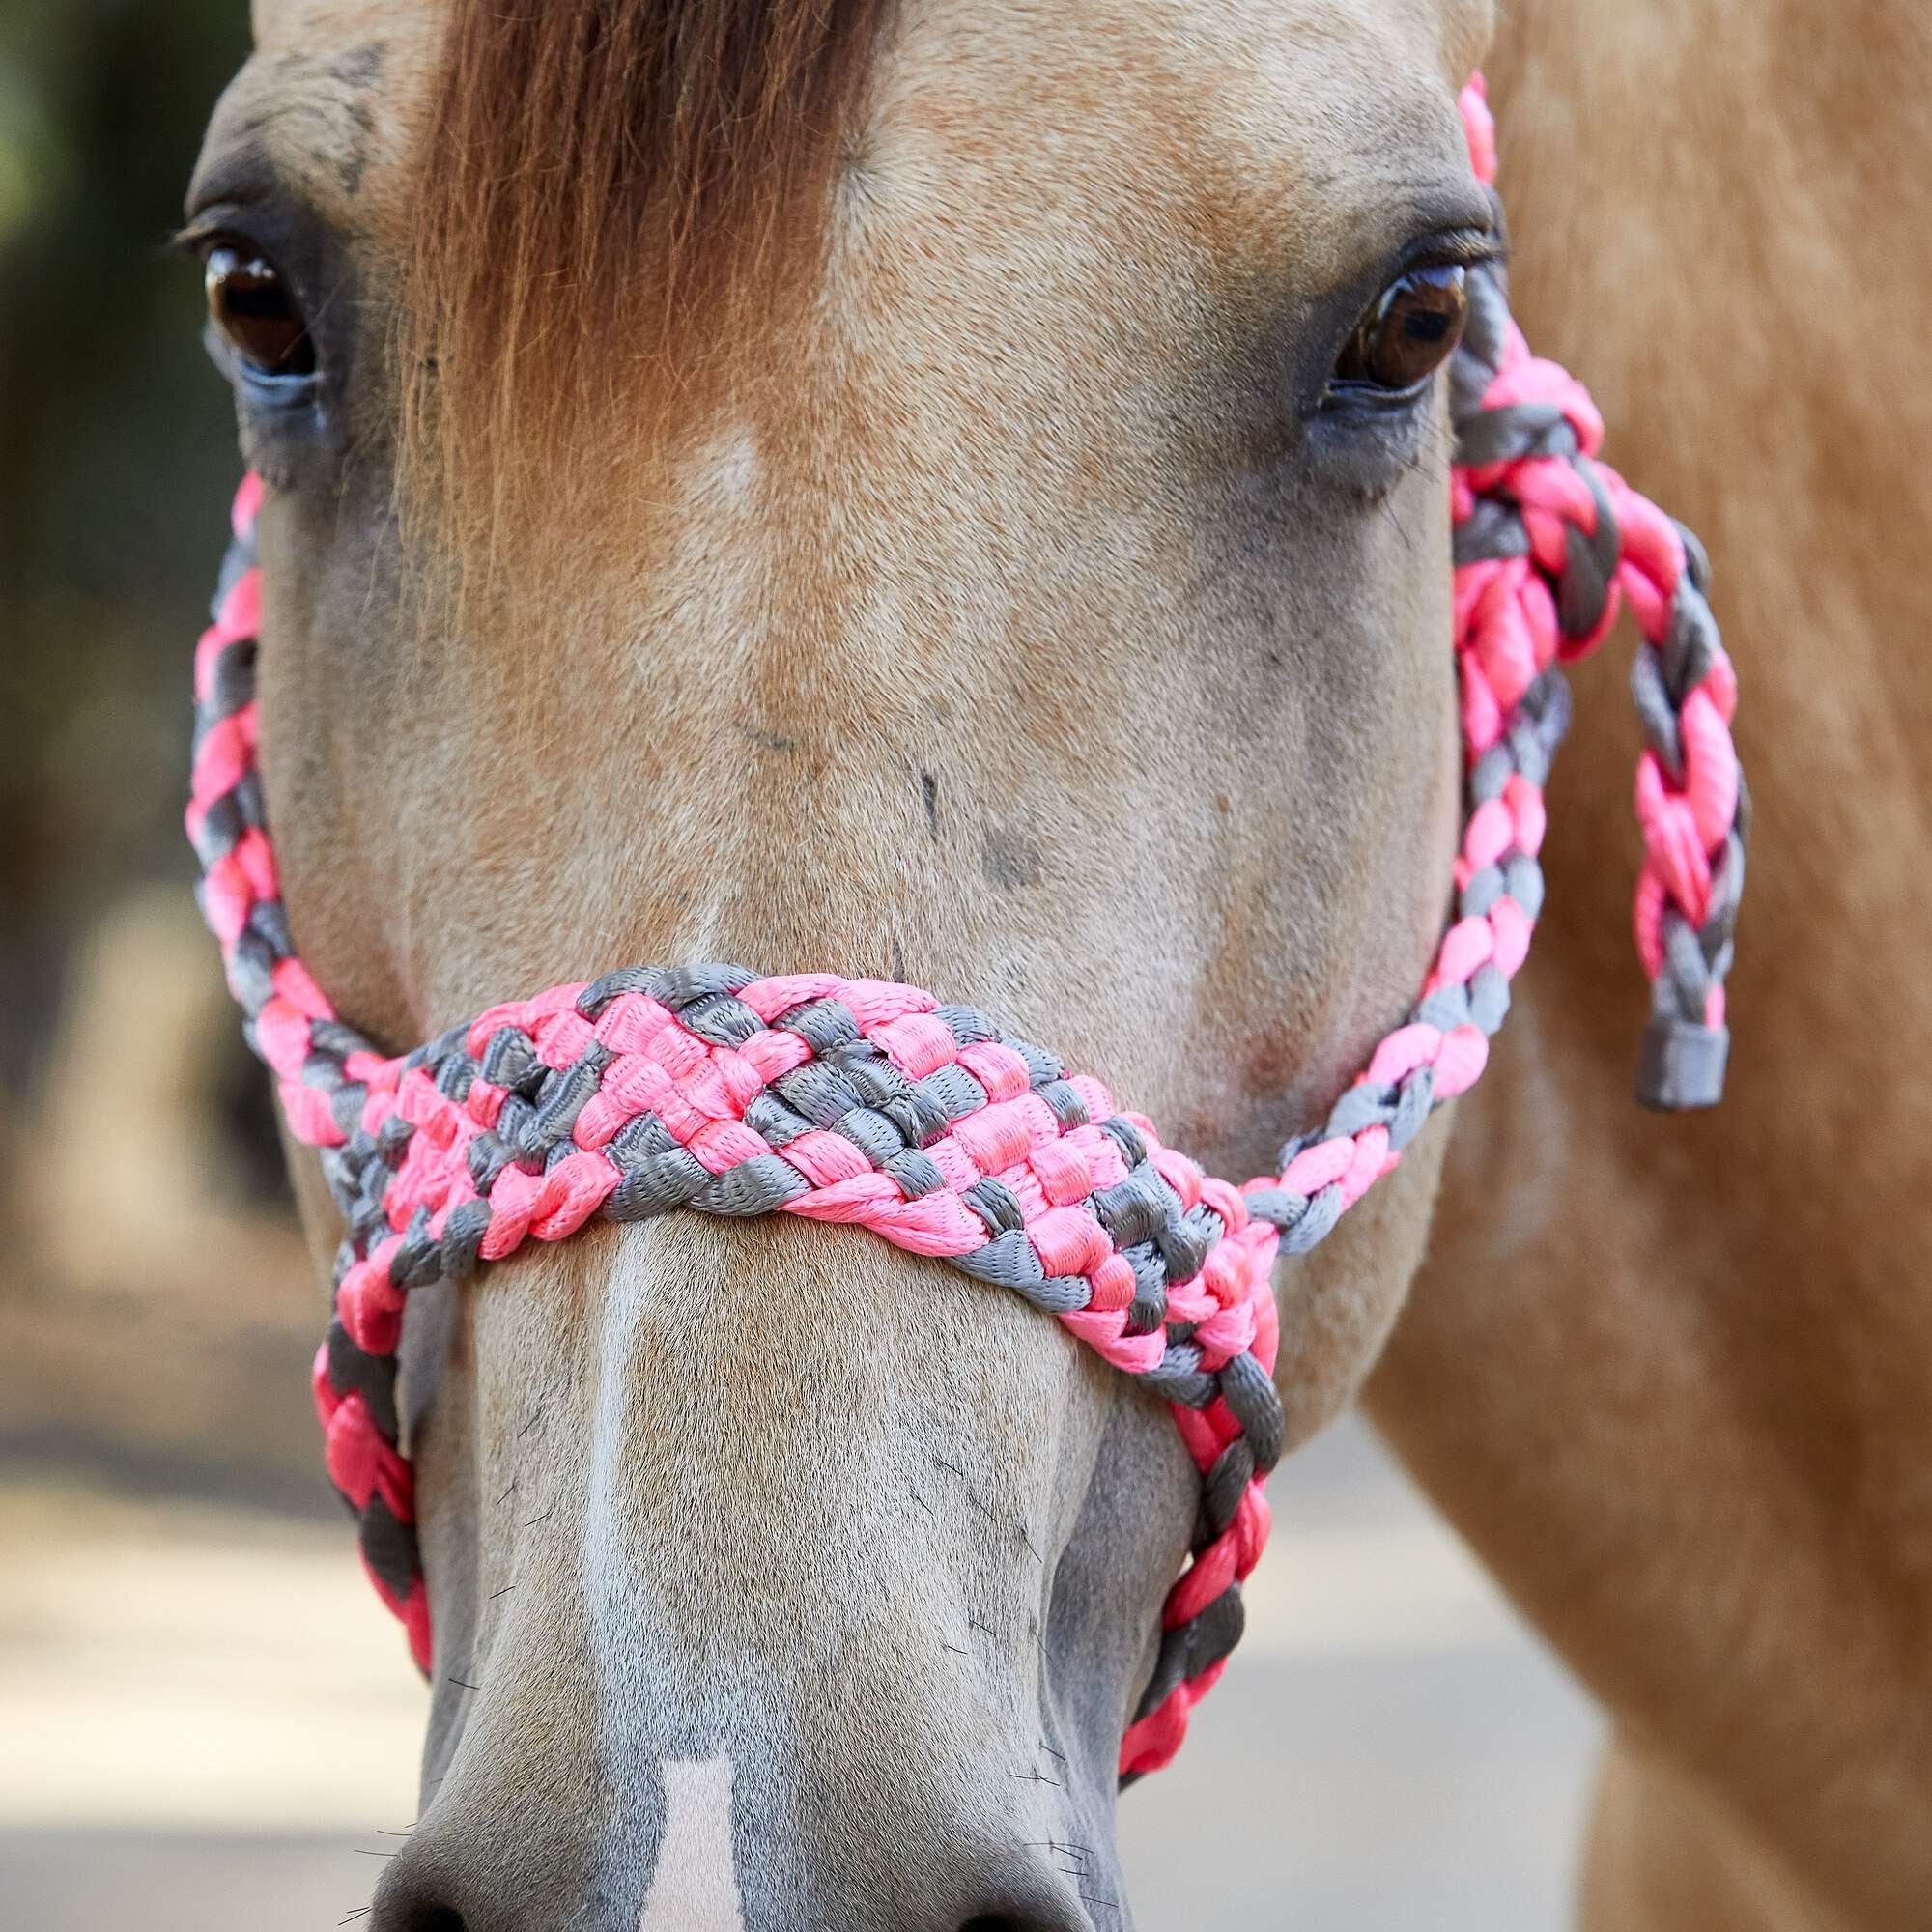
(651, 1089)
(1508, 631)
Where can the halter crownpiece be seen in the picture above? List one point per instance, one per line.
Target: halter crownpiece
(860, 1100)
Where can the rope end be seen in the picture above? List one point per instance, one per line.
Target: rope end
(1682, 1066)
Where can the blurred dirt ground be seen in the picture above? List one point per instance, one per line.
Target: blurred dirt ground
(209, 1726)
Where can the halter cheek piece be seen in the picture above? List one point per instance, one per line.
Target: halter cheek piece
(857, 1100)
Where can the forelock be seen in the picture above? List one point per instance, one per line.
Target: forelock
(598, 183)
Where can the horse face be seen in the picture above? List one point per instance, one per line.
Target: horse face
(1001, 592)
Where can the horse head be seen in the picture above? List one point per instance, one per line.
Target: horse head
(953, 494)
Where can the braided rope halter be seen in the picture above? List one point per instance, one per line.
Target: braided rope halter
(858, 1100)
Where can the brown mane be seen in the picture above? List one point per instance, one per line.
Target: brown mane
(596, 178)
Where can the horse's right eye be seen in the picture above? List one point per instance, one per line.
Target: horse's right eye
(252, 307)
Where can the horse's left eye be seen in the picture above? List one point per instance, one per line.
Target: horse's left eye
(1409, 334)
(253, 309)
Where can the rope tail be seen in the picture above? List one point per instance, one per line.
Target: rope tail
(1550, 545)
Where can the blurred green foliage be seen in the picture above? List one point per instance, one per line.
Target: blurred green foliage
(116, 458)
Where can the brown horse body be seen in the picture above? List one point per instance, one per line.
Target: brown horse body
(1674, 1379)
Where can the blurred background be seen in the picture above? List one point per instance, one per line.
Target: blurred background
(207, 1720)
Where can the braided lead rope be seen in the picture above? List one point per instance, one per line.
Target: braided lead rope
(1550, 544)
(862, 1101)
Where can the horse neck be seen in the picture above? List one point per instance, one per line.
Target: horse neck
(1691, 1456)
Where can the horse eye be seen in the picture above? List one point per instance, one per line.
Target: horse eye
(252, 307)
(1409, 334)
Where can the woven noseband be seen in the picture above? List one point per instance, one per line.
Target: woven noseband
(712, 1087)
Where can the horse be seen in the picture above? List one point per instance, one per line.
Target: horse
(927, 486)
(1676, 1387)
(793, 483)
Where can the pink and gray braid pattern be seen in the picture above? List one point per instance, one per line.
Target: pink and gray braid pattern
(864, 1101)
(1550, 545)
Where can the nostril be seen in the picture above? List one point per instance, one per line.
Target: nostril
(414, 1918)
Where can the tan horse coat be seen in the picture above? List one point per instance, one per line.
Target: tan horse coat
(1674, 1379)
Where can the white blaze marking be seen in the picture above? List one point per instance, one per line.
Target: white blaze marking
(694, 1888)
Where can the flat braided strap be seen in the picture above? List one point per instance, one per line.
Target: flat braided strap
(858, 1100)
